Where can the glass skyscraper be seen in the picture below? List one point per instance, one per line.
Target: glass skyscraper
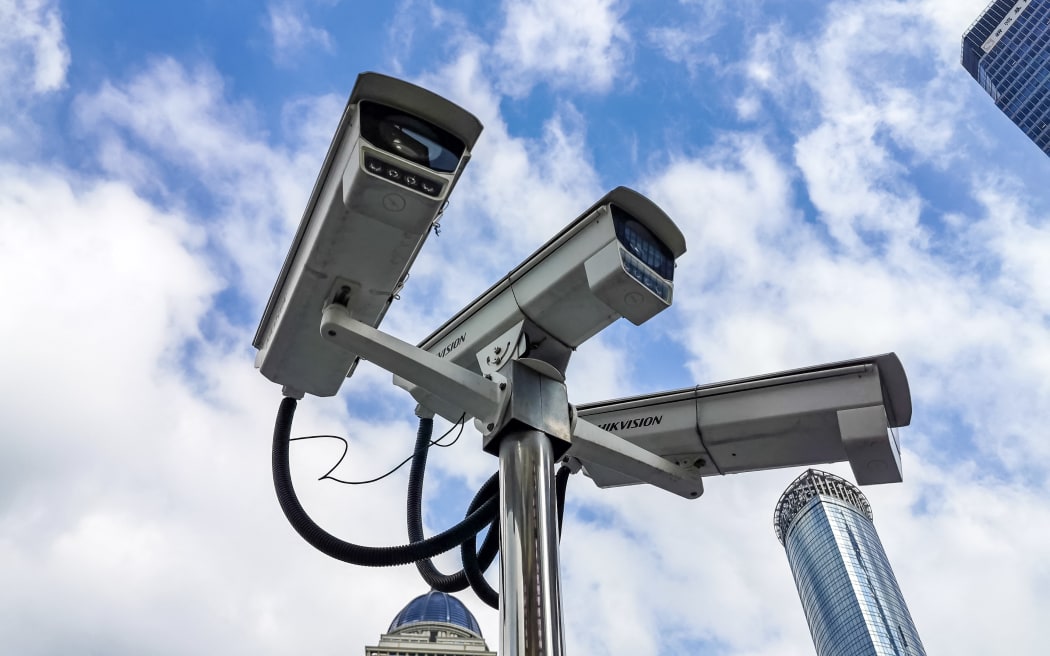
(1007, 50)
(849, 594)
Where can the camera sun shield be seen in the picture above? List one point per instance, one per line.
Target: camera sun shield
(396, 155)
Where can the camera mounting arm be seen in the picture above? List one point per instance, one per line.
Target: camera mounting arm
(487, 398)
(479, 396)
(599, 448)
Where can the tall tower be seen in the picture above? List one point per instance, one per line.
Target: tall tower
(1007, 50)
(432, 624)
(849, 594)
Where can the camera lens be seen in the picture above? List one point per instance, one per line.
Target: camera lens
(400, 140)
(643, 244)
(410, 137)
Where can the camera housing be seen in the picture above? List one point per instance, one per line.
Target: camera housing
(615, 260)
(396, 156)
(829, 413)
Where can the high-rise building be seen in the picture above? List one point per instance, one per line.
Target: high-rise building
(432, 624)
(1007, 50)
(849, 594)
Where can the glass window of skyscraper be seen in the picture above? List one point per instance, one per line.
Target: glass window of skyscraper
(850, 597)
(1007, 50)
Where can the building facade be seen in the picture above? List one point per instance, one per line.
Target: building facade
(850, 597)
(432, 624)
(1007, 50)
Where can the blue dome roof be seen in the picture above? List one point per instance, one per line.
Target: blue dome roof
(436, 606)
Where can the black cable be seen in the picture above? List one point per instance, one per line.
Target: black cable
(490, 545)
(472, 568)
(414, 517)
(561, 482)
(346, 551)
(346, 447)
(475, 570)
(462, 422)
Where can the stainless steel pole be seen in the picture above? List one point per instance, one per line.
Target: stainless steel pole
(530, 591)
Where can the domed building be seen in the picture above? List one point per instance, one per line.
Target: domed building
(432, 624)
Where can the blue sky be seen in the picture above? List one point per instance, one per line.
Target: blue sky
(844, 187)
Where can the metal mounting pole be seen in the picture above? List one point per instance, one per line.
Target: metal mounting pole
(530, 589)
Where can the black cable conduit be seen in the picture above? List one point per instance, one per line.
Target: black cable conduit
(472, 568)
(431, 575)
(353, 553)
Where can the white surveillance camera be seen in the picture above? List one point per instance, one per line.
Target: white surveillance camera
(829, 413)
(395, 157)
(615, 260)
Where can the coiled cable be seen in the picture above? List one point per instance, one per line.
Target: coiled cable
(346, 551)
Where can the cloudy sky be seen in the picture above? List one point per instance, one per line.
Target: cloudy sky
(845, 189)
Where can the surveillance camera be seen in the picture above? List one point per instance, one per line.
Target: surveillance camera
(615, 260)
(395, 157)
(829, 413)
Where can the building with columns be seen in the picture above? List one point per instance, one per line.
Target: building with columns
(432, 624)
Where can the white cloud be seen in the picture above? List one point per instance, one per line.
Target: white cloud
(131, 502)
(77, 250)
(944, 22)
(852, 180)
(851, 74)
(31, 40)
(291, 32)
(685, 41)
(951, 535)
(34, 59)
(170, 115)
(1019, 239)
(579, 44)
(731, 203)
